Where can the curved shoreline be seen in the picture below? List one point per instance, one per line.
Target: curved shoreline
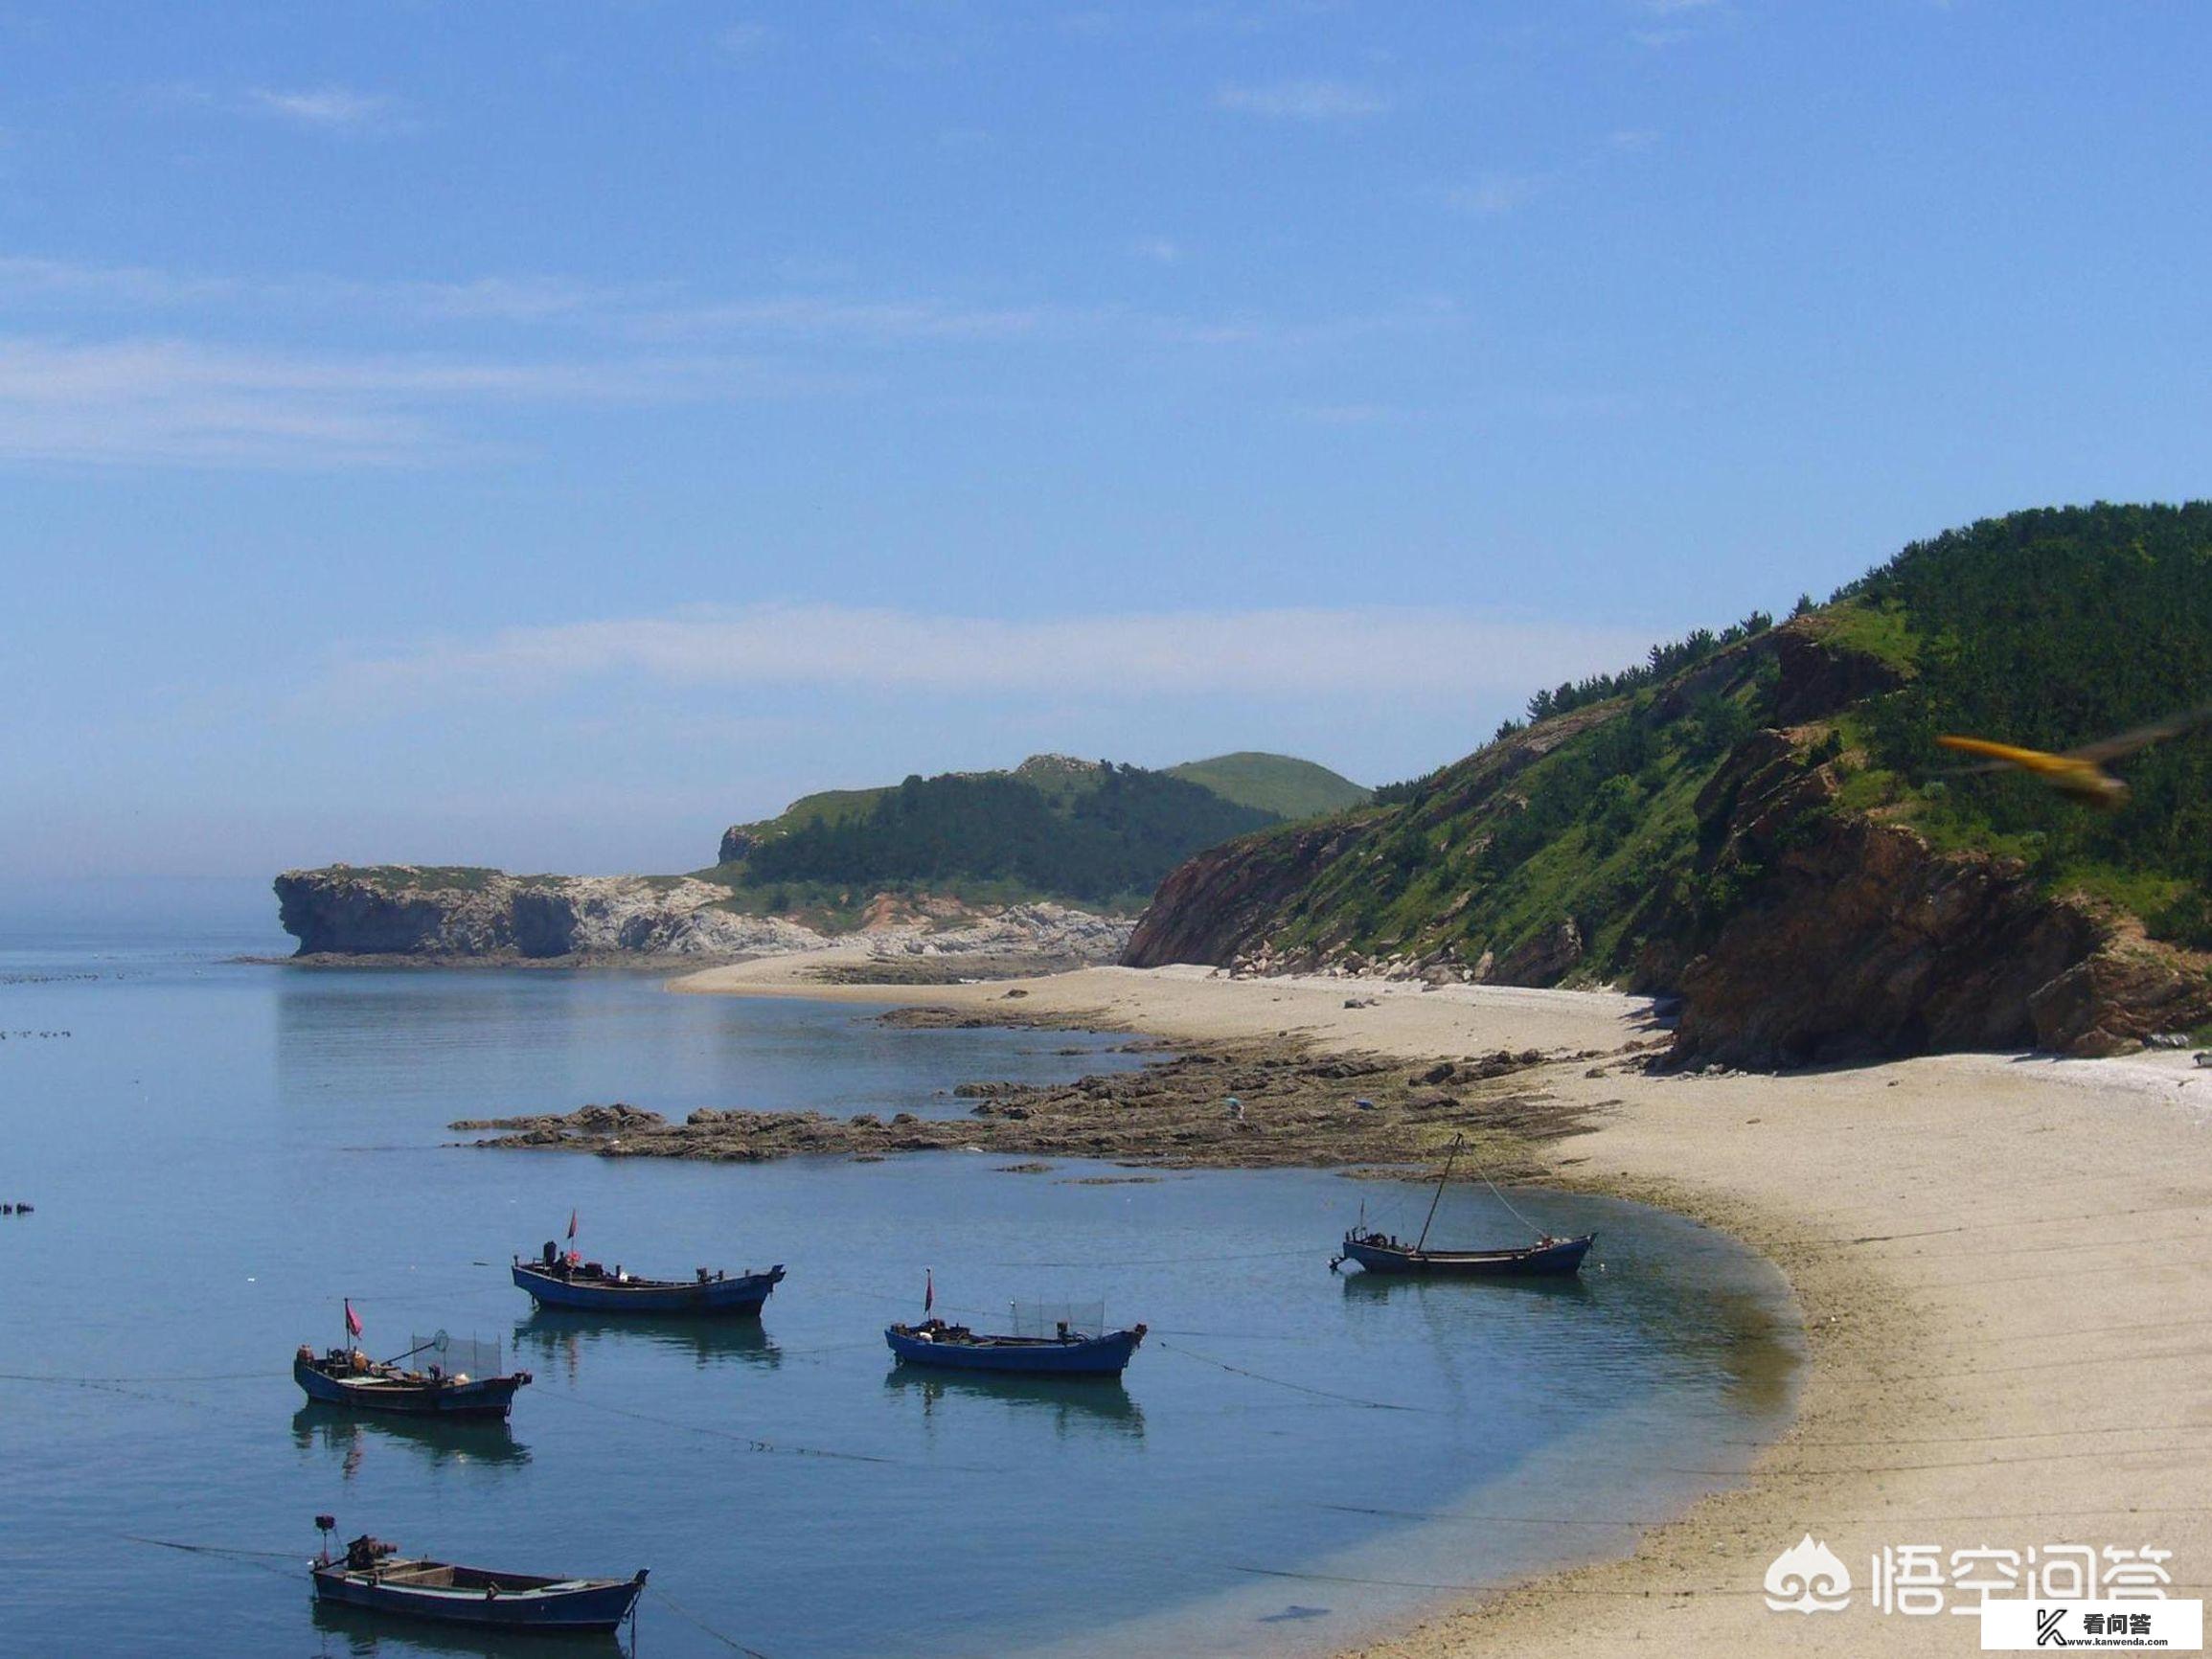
(2004, 1262)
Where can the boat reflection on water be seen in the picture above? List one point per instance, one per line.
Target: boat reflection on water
(1089, 1403)
(1381, 1287)
(562, 1337)
(440, 1440)
(357, 1633)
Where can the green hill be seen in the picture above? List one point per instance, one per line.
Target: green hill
(1283, 784)
(1761, 819)
(1089, 831)
(827, 806)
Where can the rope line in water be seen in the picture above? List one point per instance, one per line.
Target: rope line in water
(258, 1559)
(213, 1549)
(753, 1444)
(748, 1442)
(688, 1616)
(1299, 1387)
(106, 1381)
(115, 1388)
(1170, 1261)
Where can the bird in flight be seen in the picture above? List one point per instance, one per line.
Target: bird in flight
(2080, 773)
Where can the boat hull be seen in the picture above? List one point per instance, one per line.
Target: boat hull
(1107, 1355)
(591, 1604)
(490, 1396)
(1565, 1256)
(736, 1298)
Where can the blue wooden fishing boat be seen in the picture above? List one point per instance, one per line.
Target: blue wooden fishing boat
(1378, 1252)
(347, 1376)
(556, 1283)
(373, 1575)
(1065, 1354)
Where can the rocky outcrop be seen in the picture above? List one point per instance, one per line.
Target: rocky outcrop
(1045, 930)
(2124, 993)
(1859, 940)
(441, 913)
(405, 910)
(1545, 957)
(1867, 945)
(1860, 943)
(1226, 899)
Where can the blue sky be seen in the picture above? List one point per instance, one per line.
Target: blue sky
(542, 433)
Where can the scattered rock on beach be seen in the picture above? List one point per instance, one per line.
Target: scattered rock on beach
(1299, 1107)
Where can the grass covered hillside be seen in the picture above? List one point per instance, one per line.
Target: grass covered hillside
(1749, 779)
(1279, 783)
(1088, 832)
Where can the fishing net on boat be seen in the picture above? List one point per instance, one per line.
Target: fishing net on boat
(456, 1355)
(1045, 1318)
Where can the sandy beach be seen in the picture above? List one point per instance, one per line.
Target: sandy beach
(2004, 1262)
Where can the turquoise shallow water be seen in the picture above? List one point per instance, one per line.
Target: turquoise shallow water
(219, 1152)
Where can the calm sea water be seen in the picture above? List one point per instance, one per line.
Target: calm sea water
(217, 1153)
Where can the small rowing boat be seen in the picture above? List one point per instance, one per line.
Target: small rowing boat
(373, 1575)
(1378, 1252)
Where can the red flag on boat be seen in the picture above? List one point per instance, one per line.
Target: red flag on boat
(572, 1223)
(352, 1319)
(928, 1291)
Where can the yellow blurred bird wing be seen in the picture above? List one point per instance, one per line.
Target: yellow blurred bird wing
(2007, 755)
(2127, 742)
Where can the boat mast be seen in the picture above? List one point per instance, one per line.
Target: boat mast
(1439, 1199)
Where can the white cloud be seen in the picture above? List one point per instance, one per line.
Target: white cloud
(23, 277)
(1498, 192)
(1674, 16)
(329, 108)
(1345, 414)
(93, 383)
(1302, 652)
(513, 299)
(1503, 191)
(1305, 99)
(819, 315)
(178, 401)
(665, 313)
(743, 39)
